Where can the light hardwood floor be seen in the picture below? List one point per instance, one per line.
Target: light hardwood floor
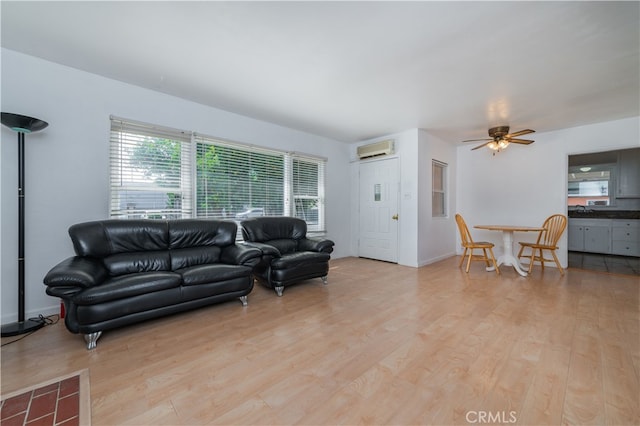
(380, 344)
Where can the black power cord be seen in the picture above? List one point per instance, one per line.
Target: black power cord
(48, 320)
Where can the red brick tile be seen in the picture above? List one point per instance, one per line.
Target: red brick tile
(68, 407)
(17, 420)
(58, 402)
(69, 386)
(42, 405)
(74, 421)
(42, 421)
(15, 405)
(46, 389)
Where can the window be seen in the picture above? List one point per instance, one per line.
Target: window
(590, 185)
(307, 191)
(165, 173)
(238, 182)
(438, 192)
(150, 172)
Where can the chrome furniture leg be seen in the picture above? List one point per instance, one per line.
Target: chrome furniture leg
(324, 280)
(279, 290)
(92, 339)
(243, 299)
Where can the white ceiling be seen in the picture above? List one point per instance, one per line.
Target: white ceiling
(357, 70)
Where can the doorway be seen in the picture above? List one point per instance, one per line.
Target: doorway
(378, 189)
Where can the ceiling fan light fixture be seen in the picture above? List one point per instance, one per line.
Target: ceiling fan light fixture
(500, 138)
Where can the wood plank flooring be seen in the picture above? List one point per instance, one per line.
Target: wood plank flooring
(380, 344)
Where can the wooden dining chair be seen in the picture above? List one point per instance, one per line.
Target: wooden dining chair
(470, 245)
(548, 238)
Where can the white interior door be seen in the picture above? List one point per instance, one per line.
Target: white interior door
(379, 187)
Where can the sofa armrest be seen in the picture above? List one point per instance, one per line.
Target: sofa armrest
(316, 244)
(77, 271)
(266, 249)
(241, 254)
(65, 293)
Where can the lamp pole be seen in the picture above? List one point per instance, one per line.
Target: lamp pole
(21, 124)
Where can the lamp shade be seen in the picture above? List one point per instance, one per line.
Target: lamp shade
(22, 123)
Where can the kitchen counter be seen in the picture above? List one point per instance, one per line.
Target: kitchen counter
(605, 214)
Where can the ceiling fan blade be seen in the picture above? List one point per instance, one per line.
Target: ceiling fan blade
(477, 140)
(521, 141)
(519, 133)
(482, 146)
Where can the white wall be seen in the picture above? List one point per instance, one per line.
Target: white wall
(525, 184)
(67, 163)
(434, 242)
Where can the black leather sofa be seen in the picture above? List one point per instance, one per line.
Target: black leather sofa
(288, 255)
(127, 271)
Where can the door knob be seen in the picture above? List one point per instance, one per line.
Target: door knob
(394, 217)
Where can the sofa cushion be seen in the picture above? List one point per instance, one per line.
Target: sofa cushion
(296, 260)
(185, 233)
(107, 237)
(127, 286)
(186, 257)
(203, 274)
(130, 263)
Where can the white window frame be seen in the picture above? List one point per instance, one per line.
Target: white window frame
(439, 182)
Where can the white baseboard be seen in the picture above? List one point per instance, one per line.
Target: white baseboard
(13, 317)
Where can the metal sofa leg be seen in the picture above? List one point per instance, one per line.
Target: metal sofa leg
(279, 290)
(324, 280)
(92, 339)
(243, 299)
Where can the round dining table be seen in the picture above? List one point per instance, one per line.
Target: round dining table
(507, 257)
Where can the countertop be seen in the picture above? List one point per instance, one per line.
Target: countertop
(604, 214)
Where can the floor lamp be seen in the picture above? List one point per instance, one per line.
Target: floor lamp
(21, 124)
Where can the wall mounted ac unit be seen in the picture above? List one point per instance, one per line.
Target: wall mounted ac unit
(385, 147)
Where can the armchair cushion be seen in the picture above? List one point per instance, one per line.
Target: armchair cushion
(299, 259)
(284, 245)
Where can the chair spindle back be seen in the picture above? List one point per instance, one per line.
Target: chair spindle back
(553, 226)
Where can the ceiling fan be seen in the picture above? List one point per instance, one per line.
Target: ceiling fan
(500, 138)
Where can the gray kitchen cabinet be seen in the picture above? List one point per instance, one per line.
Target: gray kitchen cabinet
(575, 239)
(597, 238)
(628, 173)
(589, 235)
(625, 237)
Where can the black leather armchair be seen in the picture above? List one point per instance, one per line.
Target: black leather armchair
(288, 255)
(126, 271)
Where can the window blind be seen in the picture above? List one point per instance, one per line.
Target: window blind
(236, 181)
(150, 171)
(308, 191)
